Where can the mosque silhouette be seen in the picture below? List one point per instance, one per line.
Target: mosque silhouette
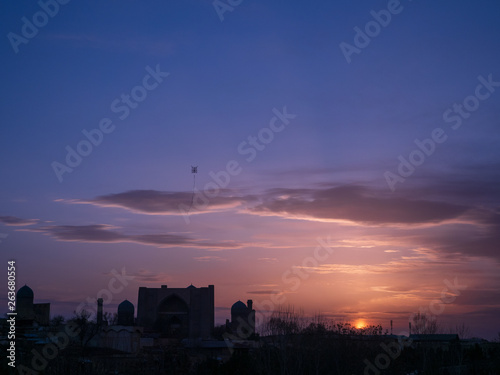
(170, 312)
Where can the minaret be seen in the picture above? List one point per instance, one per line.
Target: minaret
(99, 311)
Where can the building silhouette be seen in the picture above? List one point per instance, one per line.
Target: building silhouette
(177, 312)
(243, 319)
(163, 314)
(126, 313)
(29, 313)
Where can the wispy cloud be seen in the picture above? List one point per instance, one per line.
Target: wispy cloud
(15, 221)
(356, 204)
(146, 276)
(209, 258)
(262, 292)
(108, 234)
(153, 202)
(348, 203)
(404, 264)
(412, 215)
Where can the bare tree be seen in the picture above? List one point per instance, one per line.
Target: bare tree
(462, 331)
(284, 321)
(110, 319)
(57, 321)
(284, 326)
(87, 329)
(423, 323)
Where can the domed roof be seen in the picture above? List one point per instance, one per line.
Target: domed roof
(126, 306)
(25, 292)
(238, 307)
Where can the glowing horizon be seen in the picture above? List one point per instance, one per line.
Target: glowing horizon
(358, 184)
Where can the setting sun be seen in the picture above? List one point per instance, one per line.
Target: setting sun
(360, 324)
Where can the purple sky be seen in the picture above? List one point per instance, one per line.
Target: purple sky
(306, 122)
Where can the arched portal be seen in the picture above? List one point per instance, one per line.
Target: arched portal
(173, 317)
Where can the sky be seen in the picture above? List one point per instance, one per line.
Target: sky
(347, 154)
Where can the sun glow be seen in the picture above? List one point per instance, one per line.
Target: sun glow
(360, 323)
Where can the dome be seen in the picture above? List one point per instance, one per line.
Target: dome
(191, 287)
(126, 306)
(239, 307)
(25, 292)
